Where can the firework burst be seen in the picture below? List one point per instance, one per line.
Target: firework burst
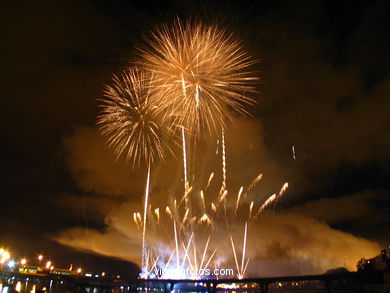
(200, 75)
(132, 124)
(194, 77)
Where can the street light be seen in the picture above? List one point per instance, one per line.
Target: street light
(48, 264)
(23, 261)
(4, 256)
(79, 270)
(11, 264)
(40, 257)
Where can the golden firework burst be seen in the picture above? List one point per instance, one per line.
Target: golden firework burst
(132, 124)
(201, 74)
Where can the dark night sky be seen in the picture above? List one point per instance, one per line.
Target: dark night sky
(325, 89)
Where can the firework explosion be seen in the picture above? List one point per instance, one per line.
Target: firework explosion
(193, 78)
(211, 231)
(200, 75)
(132, 124)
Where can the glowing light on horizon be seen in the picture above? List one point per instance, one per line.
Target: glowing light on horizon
(11, 264)
(48, 264)
(4, 256)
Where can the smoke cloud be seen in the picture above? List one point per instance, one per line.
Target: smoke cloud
(294, 240)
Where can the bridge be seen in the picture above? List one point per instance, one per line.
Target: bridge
(373, 277)
(167, 285)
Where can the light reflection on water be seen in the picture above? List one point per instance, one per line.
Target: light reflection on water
(57, 287)
(50, 287)
(271, 289)
(257, 290)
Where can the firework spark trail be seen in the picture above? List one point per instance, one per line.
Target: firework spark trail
(169, 212)
(184, 157)
(175, 206)
(235, 256)
(222, 196)
(186, 251)
(204, 252)
(186, 257)
(283, 189)
(250, 210)
(254, 183)
(185, 216)
(244, 262)
(149, 211)
(238, 199)
(193, 220)
(210, 179)
(244, 250)
(136, 220)
(183, 86)
(203, 202)
(195, 248)
(157, 213)
(246, 266)
(273, 198)
(145, 272)
(270, 200)
(223, 188)
(210, 258)
(177, 245)
(293, 151)
(213, 207)
(145, 261)
(187, 188)
(197, 95)
(169, 259)
(154, 266)
(186, 195)
(205, 219)
(223, 191)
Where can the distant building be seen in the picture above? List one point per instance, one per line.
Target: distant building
(63, 272)
(379, 262)
(28, 270)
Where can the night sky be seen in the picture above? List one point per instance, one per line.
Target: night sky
(325, 87)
